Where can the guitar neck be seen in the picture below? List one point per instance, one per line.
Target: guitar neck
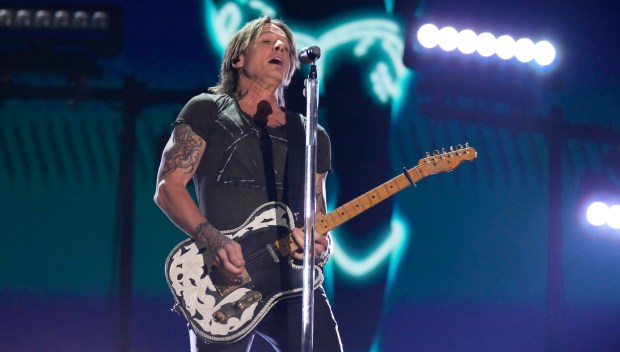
(353, 208)
(364, 202)
(430, 165)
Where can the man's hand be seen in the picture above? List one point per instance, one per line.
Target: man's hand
(320, 244)
(226, 253)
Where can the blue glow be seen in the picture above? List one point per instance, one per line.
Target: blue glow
(379, 39)
(390, 248)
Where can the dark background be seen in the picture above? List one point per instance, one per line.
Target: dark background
(494, 256)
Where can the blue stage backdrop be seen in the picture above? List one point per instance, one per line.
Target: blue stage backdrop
(493, 256)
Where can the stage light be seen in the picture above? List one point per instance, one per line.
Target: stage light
(597, 213)
(544, 53)
(42, 19)
(97, 28)
(613, 218)
(466, 42)
(428, 36)
(80, 20)
(448, 38)
(23, 18)
(505, 47)
(486, 44)
(6, 18)
(61, 19)
(524, 50)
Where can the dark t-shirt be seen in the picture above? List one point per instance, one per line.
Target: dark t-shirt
(243, 165)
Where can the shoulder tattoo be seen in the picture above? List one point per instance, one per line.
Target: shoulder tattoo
(184, 152)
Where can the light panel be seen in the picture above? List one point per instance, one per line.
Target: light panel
(486, 44)
(97, 28)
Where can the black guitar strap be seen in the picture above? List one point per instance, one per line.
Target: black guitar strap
(295, 165)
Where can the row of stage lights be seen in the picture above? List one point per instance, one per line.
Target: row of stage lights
(600, 214)
(60, 19)
(486, 44)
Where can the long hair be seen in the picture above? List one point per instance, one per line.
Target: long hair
(244, 38)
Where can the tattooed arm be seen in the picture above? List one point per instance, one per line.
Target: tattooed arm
(322, 244)
(178, 165)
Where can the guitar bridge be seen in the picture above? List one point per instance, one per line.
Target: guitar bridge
(234, 309)
(225, 286)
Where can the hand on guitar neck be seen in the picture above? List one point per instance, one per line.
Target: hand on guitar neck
(321, 244)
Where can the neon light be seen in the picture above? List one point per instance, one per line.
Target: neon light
(389, 248)
(383, 35)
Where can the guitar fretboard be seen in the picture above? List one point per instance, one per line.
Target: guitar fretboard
(364, 202)
(430, 165)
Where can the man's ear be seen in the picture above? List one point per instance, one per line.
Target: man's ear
(238, 62)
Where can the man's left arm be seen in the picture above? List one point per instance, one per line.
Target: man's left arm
(322, 243)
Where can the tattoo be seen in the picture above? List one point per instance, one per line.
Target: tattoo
(184, 151)
(211, 237)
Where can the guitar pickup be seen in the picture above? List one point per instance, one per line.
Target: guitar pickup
(225, 286)
(235, 309)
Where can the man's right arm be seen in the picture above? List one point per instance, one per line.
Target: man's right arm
(179, 163)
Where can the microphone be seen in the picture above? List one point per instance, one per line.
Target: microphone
(309, 55)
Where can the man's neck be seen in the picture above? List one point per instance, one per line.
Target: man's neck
(251, 93)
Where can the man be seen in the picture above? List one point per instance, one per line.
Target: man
(237, 145)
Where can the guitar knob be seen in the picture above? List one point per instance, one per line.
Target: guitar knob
(219, 316)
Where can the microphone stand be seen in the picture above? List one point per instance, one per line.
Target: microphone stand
(312, 104)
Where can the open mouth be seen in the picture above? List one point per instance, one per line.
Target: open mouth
(276, 61)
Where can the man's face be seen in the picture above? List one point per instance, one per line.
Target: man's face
(268, 58)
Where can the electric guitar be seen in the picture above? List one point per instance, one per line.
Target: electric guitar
(220, 311)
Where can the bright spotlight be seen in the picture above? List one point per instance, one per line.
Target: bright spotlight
(428, 36)
(597, 213)
(467, 41)
(544, 53)
(485, 44)
(524, 50)
(505, 47)
(613, 215)
(448, 38)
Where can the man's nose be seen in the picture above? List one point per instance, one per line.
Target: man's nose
(279, 45)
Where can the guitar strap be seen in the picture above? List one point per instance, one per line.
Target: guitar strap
(295, 165)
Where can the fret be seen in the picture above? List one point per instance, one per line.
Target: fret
(426, 167)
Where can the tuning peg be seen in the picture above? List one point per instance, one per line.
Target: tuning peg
(467, 145)
(451, 148)
(459, 146)
(436, 152)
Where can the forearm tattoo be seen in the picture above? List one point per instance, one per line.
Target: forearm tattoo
(184, 152)
(207, 235)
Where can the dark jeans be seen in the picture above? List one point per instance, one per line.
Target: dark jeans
(281, 328)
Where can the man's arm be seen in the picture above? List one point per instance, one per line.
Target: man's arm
(179, 163)
(322, 244)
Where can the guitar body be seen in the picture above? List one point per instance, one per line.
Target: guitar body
(223, 312)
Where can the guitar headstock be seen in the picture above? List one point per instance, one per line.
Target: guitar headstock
(446, 160)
